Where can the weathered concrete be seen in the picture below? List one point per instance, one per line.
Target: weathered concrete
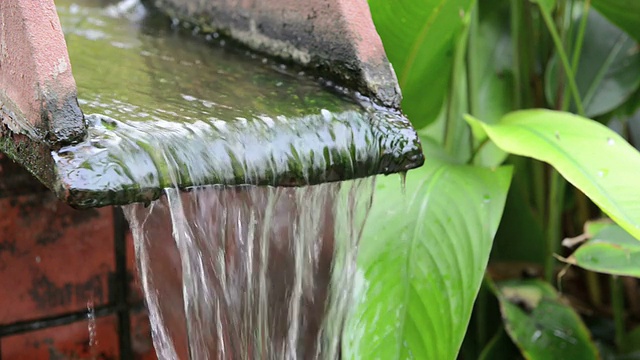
(335, 36)
(37, 89)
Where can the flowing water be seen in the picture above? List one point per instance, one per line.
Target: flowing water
(234, 270)
(266, 272)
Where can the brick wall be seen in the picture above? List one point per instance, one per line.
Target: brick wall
(59, 267)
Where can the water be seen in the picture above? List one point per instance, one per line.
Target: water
(230, 270)
(265, 272)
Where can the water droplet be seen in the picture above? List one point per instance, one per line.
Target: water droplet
(557, 135)
(91, 317)
(536, 335)
(486, 199)
(610, 142)
(326, 114)
(603, 172)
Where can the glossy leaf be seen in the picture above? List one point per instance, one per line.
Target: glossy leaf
(611, 251)
(419, 38)
(608, 71)
(588, 154)
(422, 259)
(541, 324)
(624, 13)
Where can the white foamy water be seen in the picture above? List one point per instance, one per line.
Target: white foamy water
(250, 272)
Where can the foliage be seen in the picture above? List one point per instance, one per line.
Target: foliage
(442, 233)
(549, 89)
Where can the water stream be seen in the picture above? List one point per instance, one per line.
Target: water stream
(234, 270)
(266, 272)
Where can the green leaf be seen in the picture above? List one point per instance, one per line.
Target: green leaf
(422, 259)
(608, 71)
(624, 13)
(541, 324)
(589, 155)
(419, 38)
(611, 251)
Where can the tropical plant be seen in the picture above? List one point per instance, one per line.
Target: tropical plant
(527, 111)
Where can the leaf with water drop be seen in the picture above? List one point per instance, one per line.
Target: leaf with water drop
(419, 39)
(422, 259)
(611, 251)
(541, 324)
(589, 155)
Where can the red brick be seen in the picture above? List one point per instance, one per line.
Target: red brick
(53, 259)
(74, 341)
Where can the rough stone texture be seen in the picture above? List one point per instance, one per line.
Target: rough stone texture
(335, 36)
(37, 89)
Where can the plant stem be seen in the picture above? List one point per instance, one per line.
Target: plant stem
(594, 289)
(556, 202)
(516, 10)
(593, 281)
(473, 72)
(482, 318)
(457, 103)
(538, 190)
(563, 58)
(617, 305)
(575, 56)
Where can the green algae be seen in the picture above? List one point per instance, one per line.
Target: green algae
(168, 109)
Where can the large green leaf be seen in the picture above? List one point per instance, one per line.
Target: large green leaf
(588, 154)
(611, 251)
(608, 72)
(624, 13)
(422, 259)
(541, 324)
(419, 38)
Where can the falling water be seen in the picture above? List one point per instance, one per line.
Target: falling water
(250, 272)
